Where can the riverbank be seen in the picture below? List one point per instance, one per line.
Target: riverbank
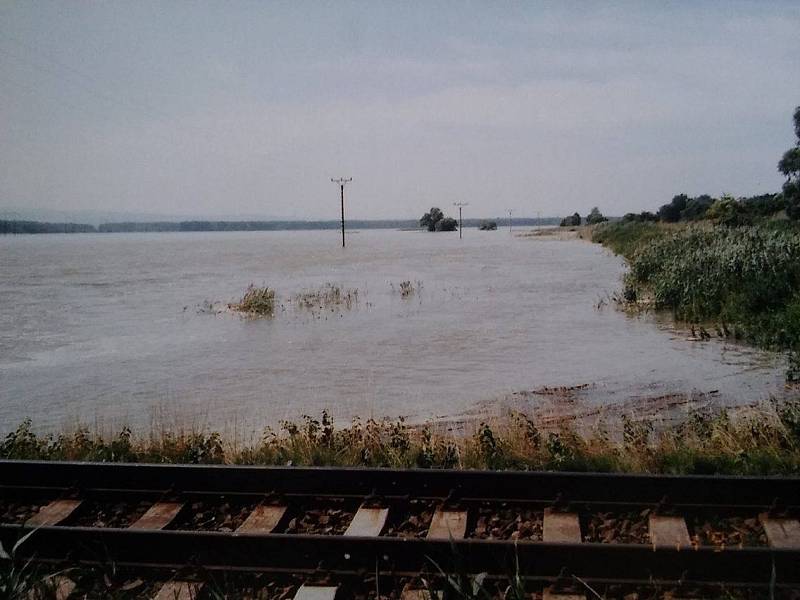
(762, 439)
(742, 282)
(563, 234)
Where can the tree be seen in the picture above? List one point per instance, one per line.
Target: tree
(671, 213)
(789, 165)
(696, 208)
(435, 220)
(488, 225)
(446, 224)
(642, 217)
(764, 205)
(595, 216)
(571, 221)
(429, 219)
(729, 212)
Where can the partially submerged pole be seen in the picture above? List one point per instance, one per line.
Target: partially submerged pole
(460, 222)
(341, 182)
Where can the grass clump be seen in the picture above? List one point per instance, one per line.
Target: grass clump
(328, 296)
(751, 441)
(406, 289)
(157, 447)
(625, 238)
(257, 301)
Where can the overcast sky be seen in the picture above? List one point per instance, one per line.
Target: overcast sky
(227, 108)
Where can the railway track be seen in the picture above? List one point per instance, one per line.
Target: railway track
(324, 530)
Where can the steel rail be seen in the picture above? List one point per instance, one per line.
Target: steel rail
(470, 486)
(284, 553)
(352, 555)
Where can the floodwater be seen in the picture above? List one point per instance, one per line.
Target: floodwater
(110, 329)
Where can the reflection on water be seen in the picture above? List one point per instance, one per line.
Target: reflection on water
(107, 327)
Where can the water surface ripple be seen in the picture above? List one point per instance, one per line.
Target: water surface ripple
(106, 328)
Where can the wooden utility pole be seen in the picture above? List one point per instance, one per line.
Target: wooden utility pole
(510, 211)
(460, 205)
(341, 182)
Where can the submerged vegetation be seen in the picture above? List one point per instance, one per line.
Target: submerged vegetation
(328, 296)
(257, 302)
(406, 289)
(261, 301)
(762, 440)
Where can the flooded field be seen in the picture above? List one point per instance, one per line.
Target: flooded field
(126, 328)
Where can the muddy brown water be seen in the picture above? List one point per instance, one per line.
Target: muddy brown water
(111, 330)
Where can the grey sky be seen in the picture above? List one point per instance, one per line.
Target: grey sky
(250, 108)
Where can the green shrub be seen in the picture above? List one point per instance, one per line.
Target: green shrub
(746, 280)
(732, 274)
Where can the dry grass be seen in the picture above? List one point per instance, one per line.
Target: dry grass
(257, 302)
(765, 440)
(328, 296)
(407, 288)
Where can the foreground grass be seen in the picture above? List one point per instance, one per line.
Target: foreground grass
(750, 441)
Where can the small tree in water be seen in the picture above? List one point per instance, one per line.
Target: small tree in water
(446, 224)
(436, 221)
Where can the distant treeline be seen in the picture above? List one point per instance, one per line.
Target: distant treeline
(39, 227)
(7, 226)
(249, 225)
(725, 210)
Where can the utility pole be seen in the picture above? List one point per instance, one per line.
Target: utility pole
(460, 205)
(341, 182)
(510, 211)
